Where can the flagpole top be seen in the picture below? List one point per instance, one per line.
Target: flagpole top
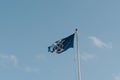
(76, 29)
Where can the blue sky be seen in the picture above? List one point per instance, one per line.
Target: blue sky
(28, 27)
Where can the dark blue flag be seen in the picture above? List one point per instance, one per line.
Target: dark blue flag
(62, 44)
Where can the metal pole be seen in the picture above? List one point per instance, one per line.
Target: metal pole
(78, 54)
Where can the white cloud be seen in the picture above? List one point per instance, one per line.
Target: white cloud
(40, 57)
(116, 76)
(100, 43)
(29, 69)
(13, 59)
(8, 60)
(87, 57)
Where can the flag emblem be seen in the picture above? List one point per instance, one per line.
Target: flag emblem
(62, 44)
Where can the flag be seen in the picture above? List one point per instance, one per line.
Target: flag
(62, 44)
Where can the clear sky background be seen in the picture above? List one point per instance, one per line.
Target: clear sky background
(28, 27)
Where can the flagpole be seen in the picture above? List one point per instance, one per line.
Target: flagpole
(78, 54)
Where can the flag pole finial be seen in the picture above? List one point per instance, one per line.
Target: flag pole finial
(76, 29)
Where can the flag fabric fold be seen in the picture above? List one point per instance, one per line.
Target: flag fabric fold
(62, 44)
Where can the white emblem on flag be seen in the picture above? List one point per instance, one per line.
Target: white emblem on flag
(58, 46)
